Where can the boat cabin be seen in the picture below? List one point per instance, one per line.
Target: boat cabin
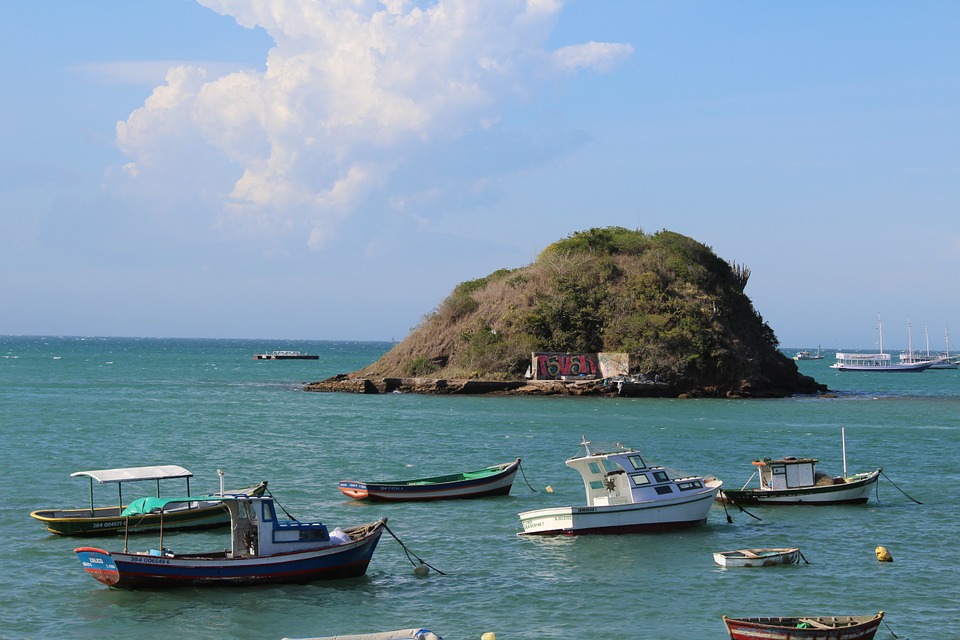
(255, 529)
(624, 477)
(787, 473)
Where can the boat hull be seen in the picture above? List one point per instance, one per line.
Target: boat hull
(439, 488)
(107, 520)
(854, 492)
(653, 517)
(785, 628)
(757, 557)
(159, 571)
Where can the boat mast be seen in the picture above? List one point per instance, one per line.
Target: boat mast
(909, 339)
(843, 440)
(880, 329)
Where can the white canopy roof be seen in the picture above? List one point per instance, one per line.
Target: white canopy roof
(132, 474)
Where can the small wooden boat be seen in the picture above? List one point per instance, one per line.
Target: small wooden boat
(399, 634)
(757, 557)
(285, 355)
(263, 550)
(625, 494)
(804, 627)
(98, 521)
(495, 480)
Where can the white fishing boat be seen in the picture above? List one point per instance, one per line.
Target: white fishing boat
(757, 557)
(809, 355)
(792, 480)
(625, 494)
(875, 361)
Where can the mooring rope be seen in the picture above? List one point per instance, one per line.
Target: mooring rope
(410, 553)
(520, 466)
(723, 501)
(282, 508)
(898, 489)
(889, 629)
(803, 556)
(748, 513)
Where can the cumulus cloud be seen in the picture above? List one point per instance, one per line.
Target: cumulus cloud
(354, 93)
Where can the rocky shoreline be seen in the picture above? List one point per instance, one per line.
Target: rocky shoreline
(345, 383)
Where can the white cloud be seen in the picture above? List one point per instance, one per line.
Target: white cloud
(353, 91)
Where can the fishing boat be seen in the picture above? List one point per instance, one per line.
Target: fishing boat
(879, 362)
(808, 355)
(804, 627)
(625, 494)
(796, 481)
(495, 480)
(285, 355)
(263, 550)
(757, 557)
(399, 634)
(106, 520)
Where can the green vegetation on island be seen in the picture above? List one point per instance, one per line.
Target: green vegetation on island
(668, 301)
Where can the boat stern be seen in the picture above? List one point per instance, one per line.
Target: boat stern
(99, 564)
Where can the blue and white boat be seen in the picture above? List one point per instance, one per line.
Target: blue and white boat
(263, 550)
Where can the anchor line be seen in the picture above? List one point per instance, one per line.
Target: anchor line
(410, 553)
(748, 513)
(900, 490)
(804, 557)
(520, 466)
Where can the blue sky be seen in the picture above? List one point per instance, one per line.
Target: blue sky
(331, 170)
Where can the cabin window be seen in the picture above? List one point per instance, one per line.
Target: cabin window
(268, 513)
(637, 462)
(639, 479)
(596, 485)
(661, 476)
(687, 486)
(594, 468)
(664, 489)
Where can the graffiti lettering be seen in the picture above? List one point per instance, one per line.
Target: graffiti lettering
(552, 366)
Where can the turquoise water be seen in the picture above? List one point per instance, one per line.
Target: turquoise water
(71, 404)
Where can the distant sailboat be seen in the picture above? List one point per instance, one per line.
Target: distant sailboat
(876, 361)
(941, 361)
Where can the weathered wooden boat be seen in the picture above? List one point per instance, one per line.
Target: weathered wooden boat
(804, 627)
(495, 480)
(757, 557)
(796, 481)
(263, 550)
(399, 634)
(106, 520)
(625, 494)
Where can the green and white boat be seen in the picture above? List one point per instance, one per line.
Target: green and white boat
(106, 520)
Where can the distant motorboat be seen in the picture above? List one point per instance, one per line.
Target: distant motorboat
(807, 355)
(285, 355)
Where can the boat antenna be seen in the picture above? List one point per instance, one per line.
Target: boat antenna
(843, 440)
(586, 445)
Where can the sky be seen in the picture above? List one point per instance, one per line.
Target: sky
(331, 170)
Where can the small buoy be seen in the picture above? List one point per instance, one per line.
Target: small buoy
(421, 570)
(549, 490)
(489, 635)
(883, 555)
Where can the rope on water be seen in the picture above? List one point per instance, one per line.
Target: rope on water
(410, 553)
(723, 501)
(803, 556)
(748, 513)
(889, 629)
(901, 491)
(520, 466)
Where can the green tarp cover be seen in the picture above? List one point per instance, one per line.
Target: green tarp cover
(143, 506)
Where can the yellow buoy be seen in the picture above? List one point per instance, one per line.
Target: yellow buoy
(883, 555)
(549, 489)
(489, 635)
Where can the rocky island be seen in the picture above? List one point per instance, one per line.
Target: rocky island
(607, 311)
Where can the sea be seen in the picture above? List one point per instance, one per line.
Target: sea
(72, 404)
